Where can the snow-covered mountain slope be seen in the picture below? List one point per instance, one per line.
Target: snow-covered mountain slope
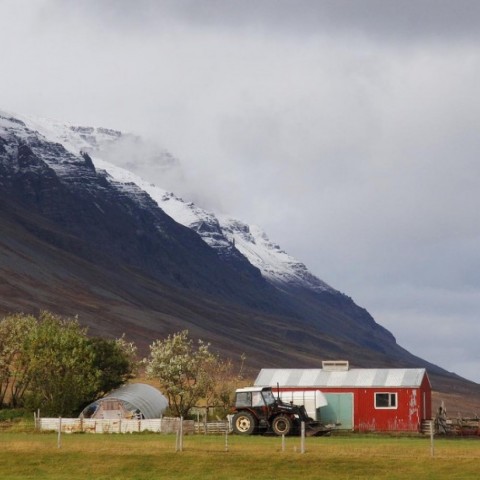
(187, 214)
(227, 235)
(111, 221)
(275, 264)
(126, 150)
(44, 139)
(17, 133)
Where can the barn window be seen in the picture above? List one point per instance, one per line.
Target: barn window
(385, 400)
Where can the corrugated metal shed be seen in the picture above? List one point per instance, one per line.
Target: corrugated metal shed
(354, 378)
(139, 398)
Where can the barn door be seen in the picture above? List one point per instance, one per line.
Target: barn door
(339, 410)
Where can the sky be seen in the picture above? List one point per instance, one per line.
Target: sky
(348, 130)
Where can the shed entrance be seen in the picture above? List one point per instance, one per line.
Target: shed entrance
(339, 410)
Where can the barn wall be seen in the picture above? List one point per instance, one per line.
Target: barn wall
(412, 406)
(406, 416)
(426, 392)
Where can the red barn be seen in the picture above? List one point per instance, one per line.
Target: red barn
(359, 399)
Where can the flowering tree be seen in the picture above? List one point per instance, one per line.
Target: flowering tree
(185, 370)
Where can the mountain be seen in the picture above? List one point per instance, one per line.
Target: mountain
(237, 243)
(85, 236)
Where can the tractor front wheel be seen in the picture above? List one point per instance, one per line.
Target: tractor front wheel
(282, 425)
(244, 423)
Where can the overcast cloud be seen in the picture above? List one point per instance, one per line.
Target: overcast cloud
(349, 130)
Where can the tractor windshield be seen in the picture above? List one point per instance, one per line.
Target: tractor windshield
(268, 397)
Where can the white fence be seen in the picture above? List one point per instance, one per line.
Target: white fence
(158, 425)
(90, 425)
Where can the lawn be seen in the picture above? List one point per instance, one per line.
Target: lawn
(152, 456)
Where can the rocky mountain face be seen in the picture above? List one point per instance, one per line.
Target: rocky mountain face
(84, 236)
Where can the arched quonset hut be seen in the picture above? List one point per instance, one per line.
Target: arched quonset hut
(361, 399)
(135, 400)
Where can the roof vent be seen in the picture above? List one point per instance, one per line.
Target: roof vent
(335, 365)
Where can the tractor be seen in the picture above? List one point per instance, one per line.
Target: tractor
(257, 410)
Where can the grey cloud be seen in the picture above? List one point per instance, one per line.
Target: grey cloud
(380, 19)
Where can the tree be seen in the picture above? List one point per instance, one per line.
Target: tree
(51, 364)
(185, 370)
(115, 361)
(14, 367)
(61, 365)
(226, 382)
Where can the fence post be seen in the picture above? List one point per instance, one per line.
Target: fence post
(181, 434)
(59, 439)
(179, 439)
(226, 438)
(432, 446)
(302, 442)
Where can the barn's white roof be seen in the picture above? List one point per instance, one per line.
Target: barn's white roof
(355, 377)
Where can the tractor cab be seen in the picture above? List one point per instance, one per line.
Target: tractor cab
(254, 397)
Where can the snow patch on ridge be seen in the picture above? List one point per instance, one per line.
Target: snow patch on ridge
(22, 133)
(221, 231)
(274, 263)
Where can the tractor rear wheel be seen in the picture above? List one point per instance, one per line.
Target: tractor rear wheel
(244, 423)
(282, 425)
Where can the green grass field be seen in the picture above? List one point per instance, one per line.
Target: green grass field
(150, 456)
